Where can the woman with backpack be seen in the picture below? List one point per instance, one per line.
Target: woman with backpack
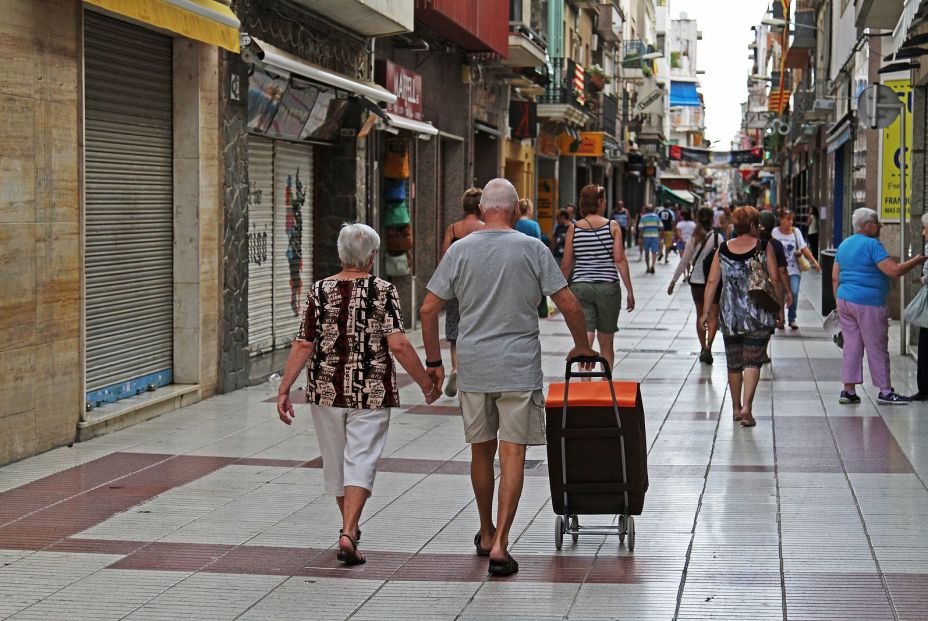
(698, 255)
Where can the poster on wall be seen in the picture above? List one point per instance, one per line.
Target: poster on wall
(891, 154)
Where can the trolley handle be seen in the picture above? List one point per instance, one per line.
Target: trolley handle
(605, 373)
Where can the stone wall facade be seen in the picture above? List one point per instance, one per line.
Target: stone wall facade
(40, 227)
(235, 361)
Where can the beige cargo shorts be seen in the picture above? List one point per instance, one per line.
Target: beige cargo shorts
(516, 417)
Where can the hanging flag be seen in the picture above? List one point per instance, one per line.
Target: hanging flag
(580, 85)
(777, 101)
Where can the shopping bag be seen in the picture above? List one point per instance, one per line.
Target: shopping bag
(832, 325)
(916, 313)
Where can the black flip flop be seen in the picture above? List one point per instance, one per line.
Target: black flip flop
(351, 559)
(480, 551)
(504, 568)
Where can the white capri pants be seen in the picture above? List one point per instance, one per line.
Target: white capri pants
(351, 442)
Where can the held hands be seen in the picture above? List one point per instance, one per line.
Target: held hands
(285, 408)
(430, 390)
(437, 376)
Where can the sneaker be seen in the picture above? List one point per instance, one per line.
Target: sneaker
(848, 398)
(891, 398)
(451, 388)
(793, 325)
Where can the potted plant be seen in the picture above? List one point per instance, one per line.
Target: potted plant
(598, 77)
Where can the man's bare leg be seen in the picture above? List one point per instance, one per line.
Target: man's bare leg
(512, 464)
(483, 480)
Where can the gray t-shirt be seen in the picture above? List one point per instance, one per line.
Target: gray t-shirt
(499, 277)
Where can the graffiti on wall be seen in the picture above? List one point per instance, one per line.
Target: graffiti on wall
(294, 199)
(257, 240)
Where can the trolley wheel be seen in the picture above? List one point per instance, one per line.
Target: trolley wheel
(631, 534)
(622, 526)
(558, 531)
(574, 526)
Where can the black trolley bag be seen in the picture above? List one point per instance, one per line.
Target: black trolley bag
(597, 452)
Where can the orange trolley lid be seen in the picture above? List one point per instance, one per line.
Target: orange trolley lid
(592, 394)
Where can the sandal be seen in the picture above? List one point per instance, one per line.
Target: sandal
(480, 551)
(357, 540)
(352, 558)
(749, 422)
(503, 568)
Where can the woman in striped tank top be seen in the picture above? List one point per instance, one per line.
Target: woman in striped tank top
(595, 253)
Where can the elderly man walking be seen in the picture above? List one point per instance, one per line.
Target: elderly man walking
(499, 276)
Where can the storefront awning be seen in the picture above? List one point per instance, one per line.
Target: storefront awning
(684, 94)
(209, 21)
(278, 61)
(683, 198)
(425, 130)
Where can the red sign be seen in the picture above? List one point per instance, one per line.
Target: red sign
(405, 84)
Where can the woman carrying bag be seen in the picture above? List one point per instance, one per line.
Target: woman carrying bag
(798, 259)
(699, 253)
(747, 273)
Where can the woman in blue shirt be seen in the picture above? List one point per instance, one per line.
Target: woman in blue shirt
(860, 280)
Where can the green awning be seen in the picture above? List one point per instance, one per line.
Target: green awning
(681, 198)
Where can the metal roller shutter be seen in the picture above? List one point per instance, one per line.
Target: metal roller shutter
(260, 244)
(292, 236)
(129, 227)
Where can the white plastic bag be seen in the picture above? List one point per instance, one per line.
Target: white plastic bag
(832, 325)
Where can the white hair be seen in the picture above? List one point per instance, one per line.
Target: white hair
(863, 216)
(499, 195)
(925, 219)
(357, 243)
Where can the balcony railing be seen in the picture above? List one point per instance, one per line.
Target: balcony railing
(537, 38)
(632, 51)
(561, 89)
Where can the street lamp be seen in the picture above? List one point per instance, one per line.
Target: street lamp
(651, 56)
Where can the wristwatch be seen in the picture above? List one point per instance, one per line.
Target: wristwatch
(434, 364)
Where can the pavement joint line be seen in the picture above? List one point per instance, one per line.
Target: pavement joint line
(776, 479)
(387, 579)
(860, 514)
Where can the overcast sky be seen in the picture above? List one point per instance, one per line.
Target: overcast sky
(723, 54)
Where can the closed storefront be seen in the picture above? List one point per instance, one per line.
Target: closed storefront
(129, 225)
(279, 240)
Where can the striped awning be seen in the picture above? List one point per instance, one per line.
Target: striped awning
(778, 100)
(209, 21)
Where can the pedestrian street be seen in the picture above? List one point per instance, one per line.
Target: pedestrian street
(217, 510)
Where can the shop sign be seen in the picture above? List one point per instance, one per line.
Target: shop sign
(405, 84)
(651, 98)
(590, 144)
(545, 201)
(523, 119)
(891, 154)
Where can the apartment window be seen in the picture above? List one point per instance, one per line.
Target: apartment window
(515, 10)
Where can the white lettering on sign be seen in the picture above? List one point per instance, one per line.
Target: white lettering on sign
(404, 87)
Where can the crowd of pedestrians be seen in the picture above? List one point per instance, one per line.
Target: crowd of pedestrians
(743, 268)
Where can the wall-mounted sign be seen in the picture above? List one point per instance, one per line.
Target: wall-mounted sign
(589, 144)
(523, 119)
(405, 84)
(650, 99)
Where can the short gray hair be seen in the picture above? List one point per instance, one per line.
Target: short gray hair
(357, 243)
(925, 219)
(499, 195)
(862, 216)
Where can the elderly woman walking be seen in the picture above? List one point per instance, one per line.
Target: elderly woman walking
(860, 279)
(745, 324)
(594, 251)
(351, 326)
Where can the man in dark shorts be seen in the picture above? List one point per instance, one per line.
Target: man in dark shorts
(668, 220)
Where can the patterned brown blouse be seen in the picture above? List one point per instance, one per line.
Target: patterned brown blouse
(349, 321)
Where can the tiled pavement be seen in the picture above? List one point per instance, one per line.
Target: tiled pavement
(218, 511)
